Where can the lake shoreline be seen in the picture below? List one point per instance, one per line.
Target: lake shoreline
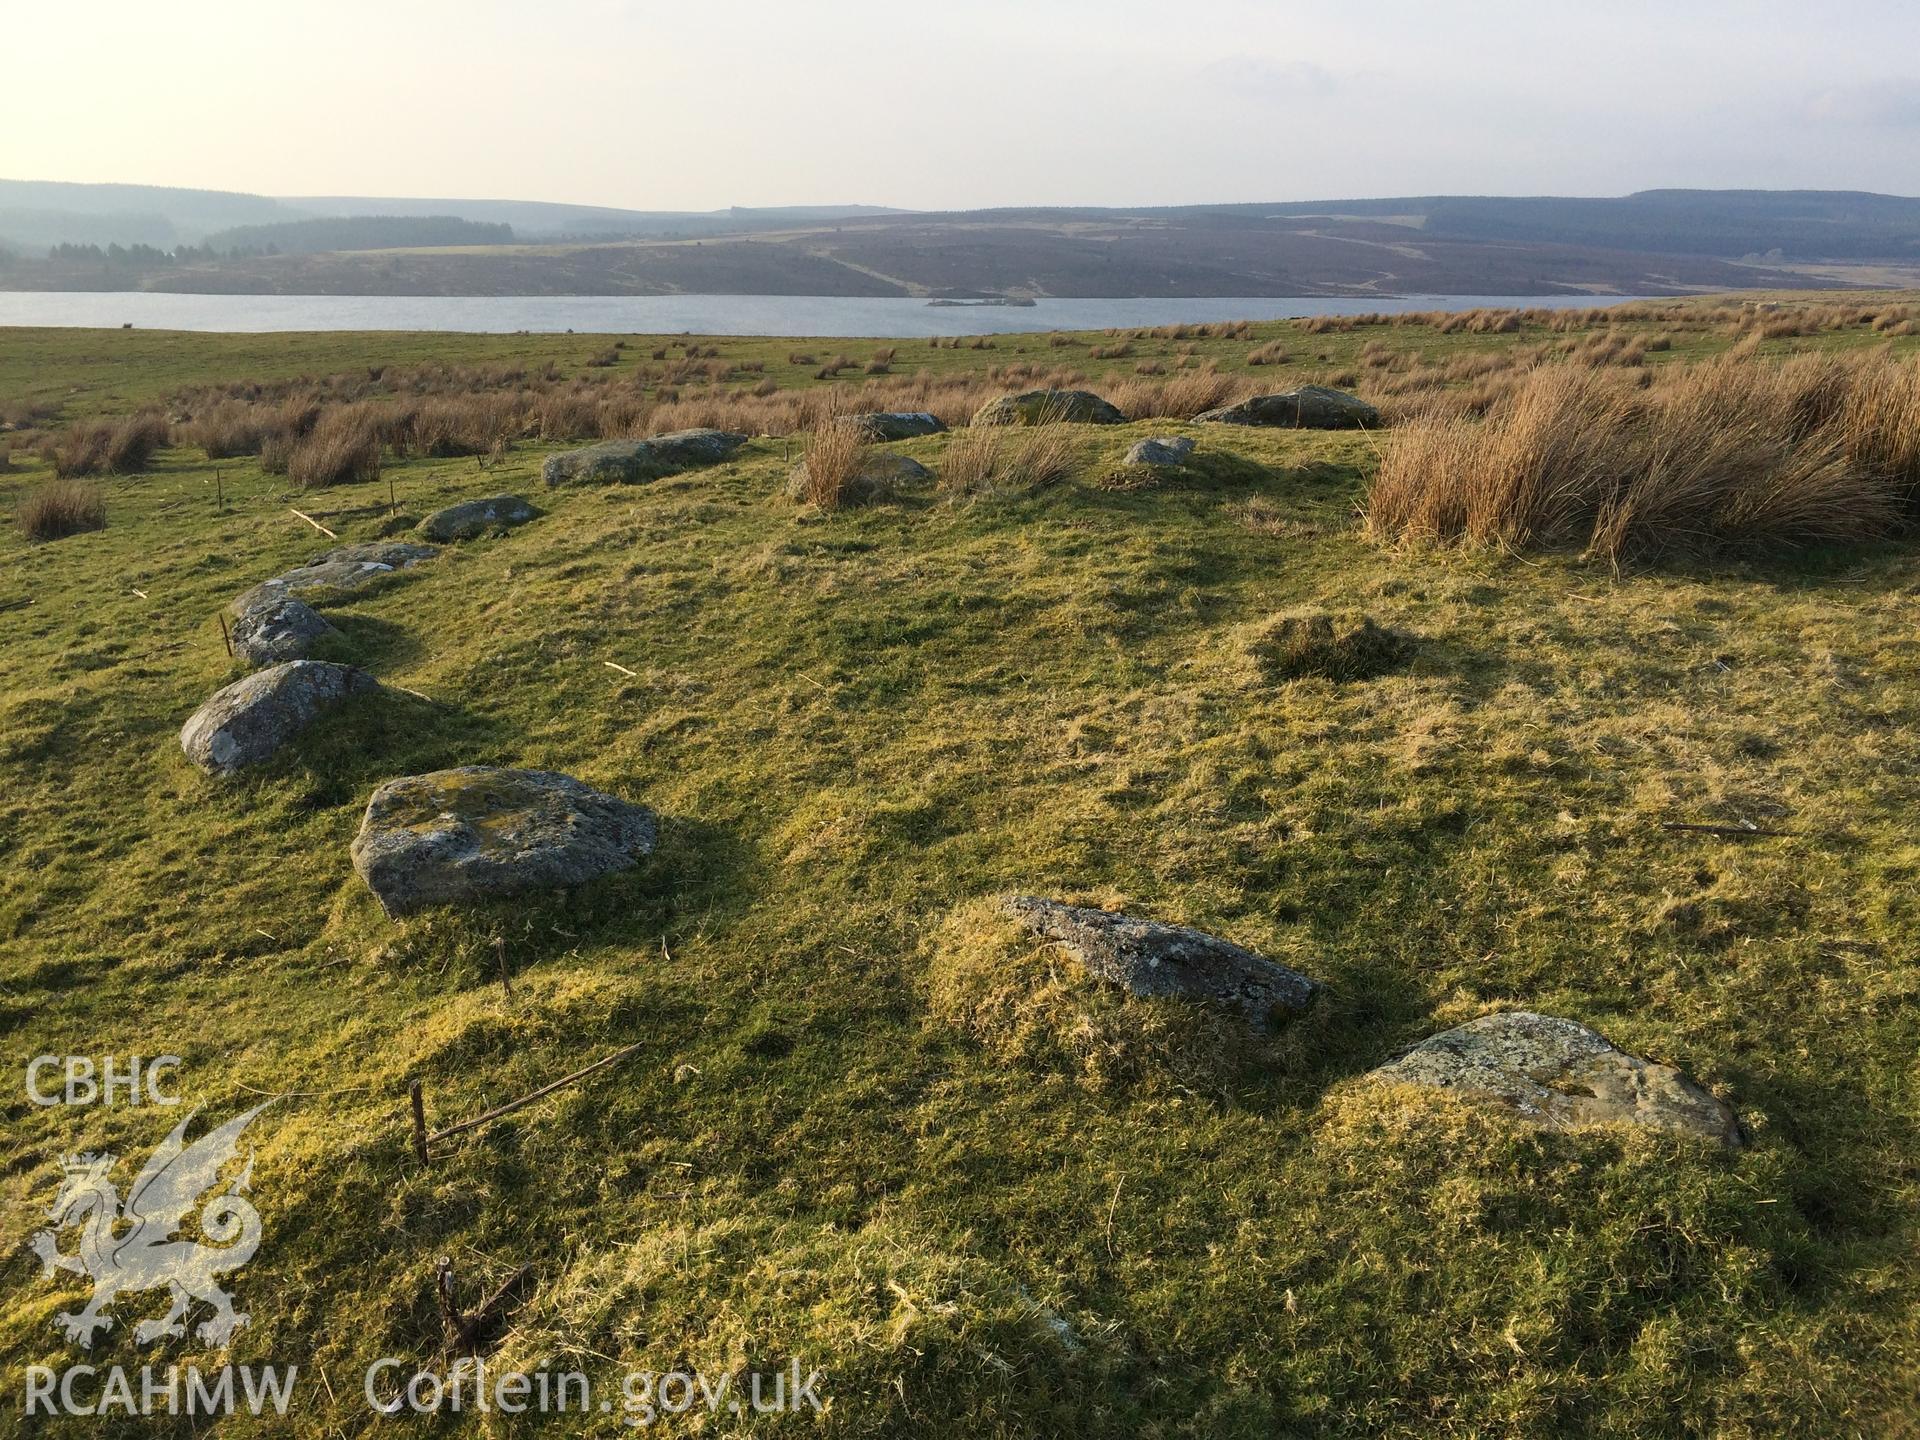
(786, 316)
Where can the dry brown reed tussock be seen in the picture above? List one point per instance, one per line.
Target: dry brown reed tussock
(231, 428)
(1179, 397)
(996, 461)
(1735, 454)
(343, 448)
(60, 508)
(449, 425)
(109, 447)
(276, 454)
(835, 454)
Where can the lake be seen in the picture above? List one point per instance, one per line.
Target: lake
(790, 315)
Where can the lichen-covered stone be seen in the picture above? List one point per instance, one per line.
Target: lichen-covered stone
(634, 462)
(1160, 451)
(251, 719)
(455, 836)
(1048, 407)
(879, 477)
(1151, 958)
(277, 627)
(885, 425)
(471, 518)
(1311, 407)
(351, 567)
(1558, 1075)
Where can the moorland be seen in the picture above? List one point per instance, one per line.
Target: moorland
(1646, 761)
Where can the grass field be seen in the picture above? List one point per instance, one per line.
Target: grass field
(862, 1129)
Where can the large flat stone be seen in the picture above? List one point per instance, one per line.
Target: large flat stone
(1311, 407)
(472, 518)
(251, 719)
(1047, 407)
(885, 425)
(351, 567)
(1557, 1074)
(1151, 958)
(277, 627)
(633, 462)
(456, 836)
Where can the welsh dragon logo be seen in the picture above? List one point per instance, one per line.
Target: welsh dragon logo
(135, 1247)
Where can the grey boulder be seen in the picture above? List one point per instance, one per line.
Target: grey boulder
(351, 567)
(1151, 958)
(885, 425)
(249, 720)
(633, 462)
(1047, 407)
(472, 518)
(1173, 450)
(1558, 1075)
(455, 836)
(1311, 407)
(277, 627)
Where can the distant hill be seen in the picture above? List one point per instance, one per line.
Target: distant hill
(1652, 242)
(1806, 225)
(543, 220)
(38, 214)
(357, 232)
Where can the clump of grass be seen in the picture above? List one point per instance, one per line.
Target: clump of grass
(60, 508)
(1735, 454)
(228, 430)
(1180, 397)
(995, 460)
(1880, 426)
(1271, 353)
(835, 454)
(112, 447)
(1307, 643)
(343, 448)
(276, 454)
(448, 425)
(970, 465)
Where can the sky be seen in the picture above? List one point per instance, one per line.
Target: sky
(702, 104)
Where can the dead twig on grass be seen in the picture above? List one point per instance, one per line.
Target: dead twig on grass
(315, 523)
(1732, 832)
(529, 1098)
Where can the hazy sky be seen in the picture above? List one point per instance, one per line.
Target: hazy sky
(696, 104)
